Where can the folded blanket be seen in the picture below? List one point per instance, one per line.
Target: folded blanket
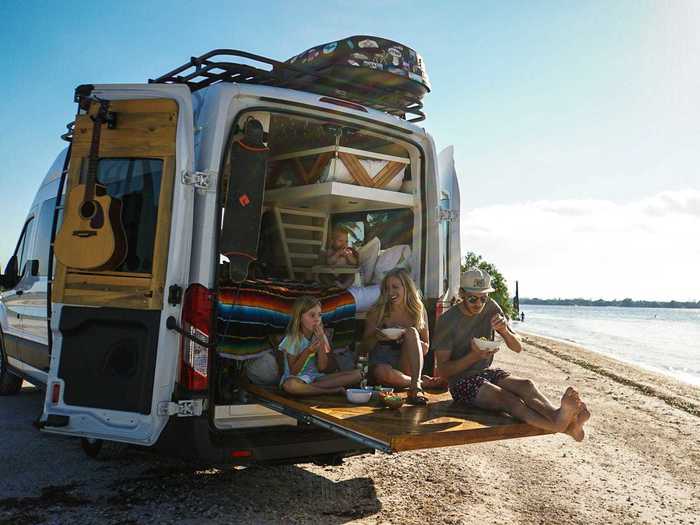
(249, 312)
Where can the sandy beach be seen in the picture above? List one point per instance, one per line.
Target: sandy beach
(640, 463)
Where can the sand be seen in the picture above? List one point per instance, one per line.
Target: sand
(640, 463)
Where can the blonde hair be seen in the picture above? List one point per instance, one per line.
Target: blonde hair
(302, 305)
(411, 298)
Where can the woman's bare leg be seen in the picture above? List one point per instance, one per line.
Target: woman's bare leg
(349, 377)
(297, 387)
(384, 374)
(492, 397)
(412, 357)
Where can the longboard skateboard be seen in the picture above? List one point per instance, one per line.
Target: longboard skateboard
(244, 200)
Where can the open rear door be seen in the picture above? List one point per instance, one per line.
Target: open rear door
(441, 423)
(113, 361)
(449, 184)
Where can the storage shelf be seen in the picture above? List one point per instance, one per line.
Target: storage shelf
(342, 149)
(337, 197)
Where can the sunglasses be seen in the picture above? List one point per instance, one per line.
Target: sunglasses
(473, 299)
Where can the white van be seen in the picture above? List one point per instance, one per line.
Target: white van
(152, 348)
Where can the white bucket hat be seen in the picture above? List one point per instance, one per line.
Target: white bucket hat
(475, 281)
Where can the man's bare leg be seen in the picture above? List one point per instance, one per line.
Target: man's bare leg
(575, 428)
(492, 397)
(526, 390)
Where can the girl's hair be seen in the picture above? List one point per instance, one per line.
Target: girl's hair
(411, 298)
(302, 305)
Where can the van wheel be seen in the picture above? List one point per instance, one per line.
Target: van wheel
(10, 384)
(101, 449)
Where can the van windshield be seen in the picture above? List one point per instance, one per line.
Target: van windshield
(136, 182)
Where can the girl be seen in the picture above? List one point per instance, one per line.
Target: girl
(398, 363)
(306, 348)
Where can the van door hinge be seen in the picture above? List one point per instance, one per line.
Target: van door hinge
(447, 215)
(203, 180)
(184, 408)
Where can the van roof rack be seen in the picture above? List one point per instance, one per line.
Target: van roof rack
(213, 67)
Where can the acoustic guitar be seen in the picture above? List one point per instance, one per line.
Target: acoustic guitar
(92, 235)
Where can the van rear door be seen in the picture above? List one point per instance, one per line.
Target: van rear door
(449, 185)
(113, 362)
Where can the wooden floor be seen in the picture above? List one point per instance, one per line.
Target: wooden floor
(441, 423)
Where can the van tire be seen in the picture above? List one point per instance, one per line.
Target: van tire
(102, 450)
(10, 384)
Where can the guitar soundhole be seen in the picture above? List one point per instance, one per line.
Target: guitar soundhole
(87, 209)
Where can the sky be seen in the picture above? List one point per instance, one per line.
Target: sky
(575, 124)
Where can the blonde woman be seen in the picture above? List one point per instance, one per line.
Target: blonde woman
(398, 362)
(306, 354)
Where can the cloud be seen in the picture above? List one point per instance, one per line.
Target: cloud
(644, 249)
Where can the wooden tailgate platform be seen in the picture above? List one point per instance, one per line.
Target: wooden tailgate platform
(442, 423)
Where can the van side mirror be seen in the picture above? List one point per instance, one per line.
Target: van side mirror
(32, 267)
(10, 277)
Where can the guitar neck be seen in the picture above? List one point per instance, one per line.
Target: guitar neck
(94, 156)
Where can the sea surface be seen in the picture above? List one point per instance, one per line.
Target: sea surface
(664, 340)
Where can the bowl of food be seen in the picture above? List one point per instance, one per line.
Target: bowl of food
(393, 333)
(391, 401)
(358, 395)
(486, 344)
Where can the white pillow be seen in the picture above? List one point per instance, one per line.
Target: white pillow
(263, 370)
(395, 257)
(367, 255)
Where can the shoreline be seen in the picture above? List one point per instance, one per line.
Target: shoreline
(674, 391)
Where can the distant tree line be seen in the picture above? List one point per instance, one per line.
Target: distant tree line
(627, 302)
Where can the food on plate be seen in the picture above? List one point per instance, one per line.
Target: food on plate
(393, 333)
(391, 400)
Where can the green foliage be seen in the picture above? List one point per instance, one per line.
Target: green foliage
(473, 261)
(627, 302)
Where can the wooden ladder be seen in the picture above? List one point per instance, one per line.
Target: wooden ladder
(303, 234)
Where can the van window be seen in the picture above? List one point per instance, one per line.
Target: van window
(43, 234)
(137, 183)
(23, 246)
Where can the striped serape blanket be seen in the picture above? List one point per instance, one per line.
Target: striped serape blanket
(248, 313)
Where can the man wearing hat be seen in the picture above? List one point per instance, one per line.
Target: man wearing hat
(468, 368)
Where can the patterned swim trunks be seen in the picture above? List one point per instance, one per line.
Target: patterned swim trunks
(465, 390)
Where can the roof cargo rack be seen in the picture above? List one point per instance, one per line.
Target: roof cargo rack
(217, 66)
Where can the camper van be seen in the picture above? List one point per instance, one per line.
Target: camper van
(163, 250)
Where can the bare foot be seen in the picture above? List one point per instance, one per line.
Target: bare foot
(570, 403)
(575, 429)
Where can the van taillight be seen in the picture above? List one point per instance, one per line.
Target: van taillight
(196, 320)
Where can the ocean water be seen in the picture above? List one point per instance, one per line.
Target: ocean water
(664, 340)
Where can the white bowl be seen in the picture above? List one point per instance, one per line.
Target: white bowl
(393, 333)
(358, 395)
(488, 345)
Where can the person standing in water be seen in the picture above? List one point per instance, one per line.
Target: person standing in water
(468, 368)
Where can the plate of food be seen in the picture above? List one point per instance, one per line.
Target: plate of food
(393, 333)
(486, 344)
(391, 400)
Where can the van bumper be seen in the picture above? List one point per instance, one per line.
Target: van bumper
(193, 439)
